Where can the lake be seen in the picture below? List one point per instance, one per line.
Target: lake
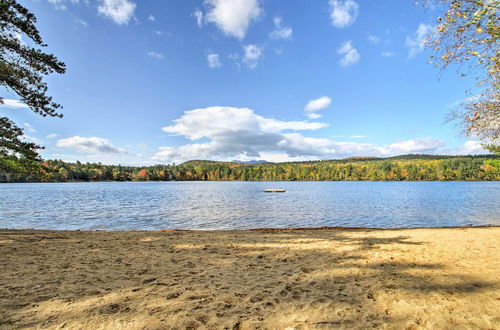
(238, 205)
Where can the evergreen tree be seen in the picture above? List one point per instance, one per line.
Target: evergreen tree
(22, 70)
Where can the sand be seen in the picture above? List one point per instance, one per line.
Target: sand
(308, 279)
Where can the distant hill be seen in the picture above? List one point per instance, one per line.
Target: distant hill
(251, 161)
(340, 160)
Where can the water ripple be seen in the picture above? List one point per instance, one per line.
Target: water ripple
(238, 205)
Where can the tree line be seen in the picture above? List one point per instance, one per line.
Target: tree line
(401, 168)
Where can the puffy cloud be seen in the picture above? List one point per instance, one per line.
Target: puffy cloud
(156, 55)
(119, 11)
(13, 104)
(296, 145)
(252, 54)
(233, 17)
(317, 105)
(414, 146)
(416, 43)
(470, 148)
(234, 133)
(343, 13)
(280, 31)
(240, 134)
(216, 121)
(213, 60)
(199, 17)
(151, 18)
(91, 145)
(387, 54)
(350, 54)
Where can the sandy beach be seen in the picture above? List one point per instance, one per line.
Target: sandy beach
(305, 279)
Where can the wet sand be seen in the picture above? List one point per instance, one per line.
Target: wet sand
(307, 279)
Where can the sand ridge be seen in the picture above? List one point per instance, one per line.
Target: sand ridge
(307, 279)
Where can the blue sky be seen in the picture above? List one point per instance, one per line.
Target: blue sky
(167, 81)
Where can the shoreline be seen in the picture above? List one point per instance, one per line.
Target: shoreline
(151, 181)
(298, 278)
(259, 229)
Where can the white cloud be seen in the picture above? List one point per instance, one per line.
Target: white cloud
(416, 43)
(343, 13)
(414, 146)
(350, 54)
(80, 21)
(32, 139)
(199, 17)
(13, 104)
(119, 11)
(61, 4)
(358, 136)
(241, 134)
(234, 133)
(53, 135)
(279, 157)
(252, 54)
(317, 105)
(280, 31)
(233, 17)
(218, 120)
(387, 54)
(213, 60)
(151, 18)
(108, 159)
(313, 115)
(29, 128)
(156, 55)
(91, 145)
(373, 39)
(469, 148)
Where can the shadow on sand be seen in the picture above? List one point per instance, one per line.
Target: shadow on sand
(242, 279)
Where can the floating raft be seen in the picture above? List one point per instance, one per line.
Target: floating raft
(274, 190)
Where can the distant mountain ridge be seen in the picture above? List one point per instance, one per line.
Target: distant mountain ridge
(340, 160)
(250, 161)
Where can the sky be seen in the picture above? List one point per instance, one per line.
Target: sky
(155, 81)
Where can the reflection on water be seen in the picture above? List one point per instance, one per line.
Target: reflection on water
(231, 205)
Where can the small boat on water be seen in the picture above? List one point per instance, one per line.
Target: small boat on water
(274, 190)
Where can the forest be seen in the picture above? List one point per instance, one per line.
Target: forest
(400, 168)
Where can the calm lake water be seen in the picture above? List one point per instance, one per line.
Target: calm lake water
(231, 205)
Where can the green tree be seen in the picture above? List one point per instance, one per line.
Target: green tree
(468, 35)
(16, 156)
(22, 70)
